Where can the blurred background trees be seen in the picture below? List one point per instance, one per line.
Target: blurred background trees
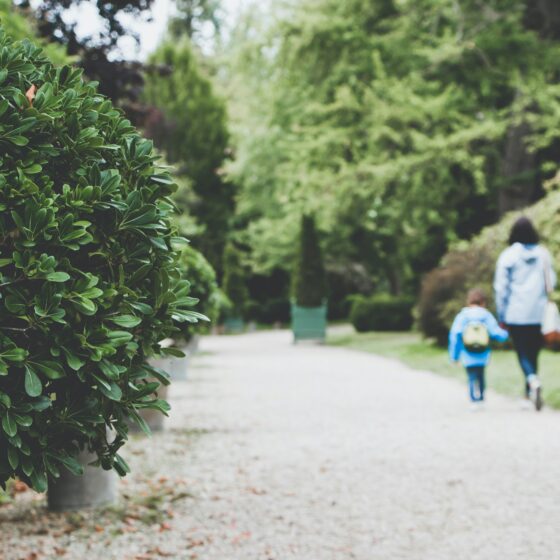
(97, 53)
(189, 125)
(405, 127)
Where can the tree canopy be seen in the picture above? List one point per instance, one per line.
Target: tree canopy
(403, 125)
(20, 24)
(190, 128)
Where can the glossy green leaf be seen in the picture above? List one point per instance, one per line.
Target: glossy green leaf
(33, 385)
(9, 424)
(126, 321)
(58, 277)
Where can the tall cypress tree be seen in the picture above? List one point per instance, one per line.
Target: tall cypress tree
(309, 278)
(191, 129)
(234, 285)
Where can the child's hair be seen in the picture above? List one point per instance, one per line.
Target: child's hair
(476, 296)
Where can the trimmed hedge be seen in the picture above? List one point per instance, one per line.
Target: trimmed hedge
(275, 310)
(381, 313)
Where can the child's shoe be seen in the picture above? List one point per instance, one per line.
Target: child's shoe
(525, 404)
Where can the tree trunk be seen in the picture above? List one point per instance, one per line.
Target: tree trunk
(544, 17)
(395, 284)
(519, 172)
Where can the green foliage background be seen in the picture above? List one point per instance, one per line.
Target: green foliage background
(390, 121)
(18, 26)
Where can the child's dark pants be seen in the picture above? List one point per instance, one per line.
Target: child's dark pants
(476, 383)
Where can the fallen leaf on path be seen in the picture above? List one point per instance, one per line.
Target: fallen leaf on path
(256, 491)
(161, 552)
(246, 535)
(194, 543)
(19, 487)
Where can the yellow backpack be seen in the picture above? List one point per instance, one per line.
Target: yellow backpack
(476, 337)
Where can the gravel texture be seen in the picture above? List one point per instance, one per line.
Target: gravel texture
(282, 452)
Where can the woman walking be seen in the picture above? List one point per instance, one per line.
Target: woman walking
(524, 278)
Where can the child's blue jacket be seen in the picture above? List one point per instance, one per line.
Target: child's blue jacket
(468, 315)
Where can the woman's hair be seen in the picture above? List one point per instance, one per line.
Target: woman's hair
(476, 296)
(523, 231)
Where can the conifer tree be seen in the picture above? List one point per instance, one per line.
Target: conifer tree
(309, 279)
(234, 285)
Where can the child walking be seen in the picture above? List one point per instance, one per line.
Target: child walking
(469, 342)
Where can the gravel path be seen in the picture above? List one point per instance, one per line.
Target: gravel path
(276, 452)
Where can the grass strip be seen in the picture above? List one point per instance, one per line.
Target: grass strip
(503, 373)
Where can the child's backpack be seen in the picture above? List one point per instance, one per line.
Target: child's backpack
(476, 337)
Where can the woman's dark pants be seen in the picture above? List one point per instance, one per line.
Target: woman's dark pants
(527, 341)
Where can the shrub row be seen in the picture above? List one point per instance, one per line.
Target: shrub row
(381, 313)
(275, 310)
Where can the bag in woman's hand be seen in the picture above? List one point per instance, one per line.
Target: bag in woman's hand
(551, 324)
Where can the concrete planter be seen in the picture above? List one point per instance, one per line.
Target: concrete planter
(309, 323)
(154, 418)
(193, 345)
(95, 488)
(177, 368)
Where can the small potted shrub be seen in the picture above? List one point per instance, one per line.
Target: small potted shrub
(201, 276)
(89, 282)
(235, 290)
(203, 288)
(309, 305)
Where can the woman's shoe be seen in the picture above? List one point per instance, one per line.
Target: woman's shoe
(535, 391)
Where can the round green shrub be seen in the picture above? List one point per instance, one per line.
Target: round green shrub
(309, 284)
(444, 289)
(89, 282)
(381, 313)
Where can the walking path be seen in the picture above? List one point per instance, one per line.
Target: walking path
(316, 453)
